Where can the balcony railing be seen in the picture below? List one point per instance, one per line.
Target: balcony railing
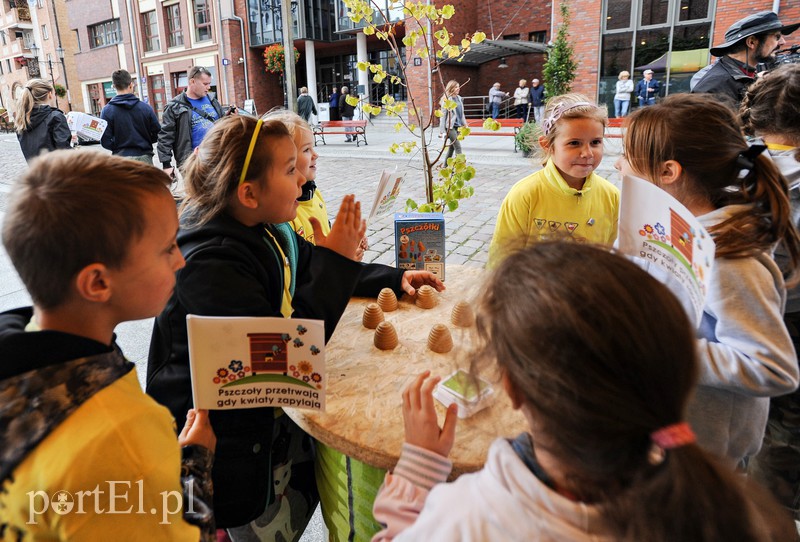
(23, 12)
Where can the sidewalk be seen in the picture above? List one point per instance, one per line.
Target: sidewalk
(344, 168)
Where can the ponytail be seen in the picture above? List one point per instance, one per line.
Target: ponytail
(211, 174)
(712, 155)
(767, 221)
(35, 92)
(693, 498)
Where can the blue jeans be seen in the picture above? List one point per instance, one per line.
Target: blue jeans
(495, 110)
(621, 107)
(645, 103)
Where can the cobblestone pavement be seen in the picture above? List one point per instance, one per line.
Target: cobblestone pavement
(342, 169)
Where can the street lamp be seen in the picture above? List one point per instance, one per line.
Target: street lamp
(35, 50)
(60, 53)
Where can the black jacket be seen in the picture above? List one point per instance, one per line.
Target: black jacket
(235, 270)
(305, 106)
(345, 109)
(725, 79)
(132, 126)
(537, 96)
(175, 136)
(47, 131)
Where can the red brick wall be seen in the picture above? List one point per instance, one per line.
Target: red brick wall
(496, 19)
(584, 35)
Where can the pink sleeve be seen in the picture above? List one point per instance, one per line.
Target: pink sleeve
(403, 493)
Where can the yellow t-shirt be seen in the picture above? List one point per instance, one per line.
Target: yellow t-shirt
(314, 207)
(111, 470)
(543, 206)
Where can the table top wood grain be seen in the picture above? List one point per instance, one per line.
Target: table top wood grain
(363, 417)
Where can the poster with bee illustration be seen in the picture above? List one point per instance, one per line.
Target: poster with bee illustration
(668, 240)
(239, 362)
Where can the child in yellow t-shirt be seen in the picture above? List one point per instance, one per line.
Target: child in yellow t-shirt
(84, 453)
(566, 199)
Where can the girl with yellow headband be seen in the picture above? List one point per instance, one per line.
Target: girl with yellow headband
(244, 259)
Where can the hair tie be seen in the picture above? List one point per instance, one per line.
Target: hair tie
(747, 158)
(669, 437)
(557, 112)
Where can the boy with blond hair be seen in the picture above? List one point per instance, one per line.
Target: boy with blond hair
(84, 453)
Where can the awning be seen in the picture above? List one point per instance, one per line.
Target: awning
(680, 62)
(489, 50)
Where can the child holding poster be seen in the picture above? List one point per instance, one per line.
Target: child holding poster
(244, 259)
(566, 199)
(600, 358)
(740, 197)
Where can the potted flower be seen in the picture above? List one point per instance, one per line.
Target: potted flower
(274, 58)
(526, 138)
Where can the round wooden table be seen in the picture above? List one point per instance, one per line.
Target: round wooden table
(364, 417)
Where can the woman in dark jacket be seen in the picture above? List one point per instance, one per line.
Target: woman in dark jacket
(39, 126)
(346, 111)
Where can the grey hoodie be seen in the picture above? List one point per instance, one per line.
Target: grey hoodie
(746, 354)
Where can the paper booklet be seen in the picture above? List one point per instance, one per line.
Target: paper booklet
(86, 126)
(386, 194)
(657, 228)
(240, 362)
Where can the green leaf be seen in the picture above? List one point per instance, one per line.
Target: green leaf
(478, 37)
(452, 205)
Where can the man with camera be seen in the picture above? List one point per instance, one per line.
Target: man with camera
(187, 118)
(748, 42)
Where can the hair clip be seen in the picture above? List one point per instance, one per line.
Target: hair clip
(558, 111)
(746, 158)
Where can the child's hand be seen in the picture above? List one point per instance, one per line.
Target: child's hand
(198, 430)
(346, 233)
(363, 246)
(414, 279)
(419, 417)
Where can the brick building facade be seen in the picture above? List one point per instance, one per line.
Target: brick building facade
(158, 40)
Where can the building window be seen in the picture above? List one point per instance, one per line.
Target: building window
(511, 37)
(540, 36)
(172, 14)
(180, 80)
(40, 4)
(45, 34)
(78, 39)
(3, 37)
(105, 33)
(670, 37)
(202, 20)
(150, 31)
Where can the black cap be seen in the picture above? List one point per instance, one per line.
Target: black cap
(758, 23)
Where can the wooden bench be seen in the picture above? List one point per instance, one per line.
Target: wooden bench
(614, 123)
(329, 127)
(516, 124)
